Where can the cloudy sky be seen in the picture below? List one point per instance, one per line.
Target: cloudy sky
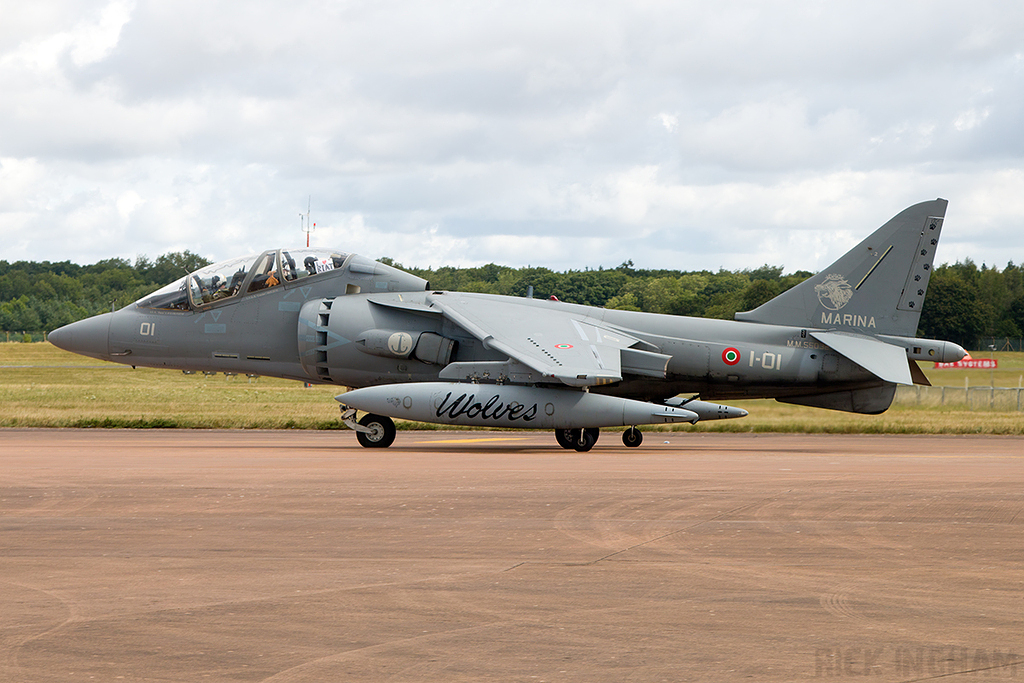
(569, 135)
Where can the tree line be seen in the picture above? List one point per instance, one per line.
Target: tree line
(40, 297)
(964, 304)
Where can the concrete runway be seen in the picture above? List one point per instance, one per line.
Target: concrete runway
(298, 556)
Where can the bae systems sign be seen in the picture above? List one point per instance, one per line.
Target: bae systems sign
(972, 363)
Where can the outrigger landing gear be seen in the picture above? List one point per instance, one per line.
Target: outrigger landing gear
(632, 437)
(581, 440)
(373, 431)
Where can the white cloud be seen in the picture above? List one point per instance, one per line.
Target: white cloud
(971, 118)
(776, 135)
(92, 41)
(684, 135)
(670, 121)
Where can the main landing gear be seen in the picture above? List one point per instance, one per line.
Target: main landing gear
(586, 439)
(581, 440)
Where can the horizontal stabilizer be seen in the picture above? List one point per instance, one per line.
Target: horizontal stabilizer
(885, 361)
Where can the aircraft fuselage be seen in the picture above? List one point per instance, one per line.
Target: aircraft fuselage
(841, 340)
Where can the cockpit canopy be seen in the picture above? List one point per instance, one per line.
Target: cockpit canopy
(239, 276)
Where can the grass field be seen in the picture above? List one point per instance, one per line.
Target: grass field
(43, 386)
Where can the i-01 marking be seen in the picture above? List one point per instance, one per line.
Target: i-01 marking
(767, 360)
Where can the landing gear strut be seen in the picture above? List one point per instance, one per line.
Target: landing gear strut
(581, 440)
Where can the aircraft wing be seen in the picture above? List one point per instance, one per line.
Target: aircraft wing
(562, 345)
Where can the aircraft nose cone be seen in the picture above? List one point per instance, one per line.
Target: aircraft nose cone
(88, 337)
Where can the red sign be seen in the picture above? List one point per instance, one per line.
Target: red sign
(973, 363)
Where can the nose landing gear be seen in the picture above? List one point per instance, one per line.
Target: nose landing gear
(380, 432)
(373, 431)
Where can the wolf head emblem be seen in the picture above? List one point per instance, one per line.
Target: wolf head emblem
(834, 293)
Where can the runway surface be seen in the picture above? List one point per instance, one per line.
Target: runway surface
(468, 556)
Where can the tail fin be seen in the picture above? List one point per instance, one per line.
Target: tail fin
(878, 287)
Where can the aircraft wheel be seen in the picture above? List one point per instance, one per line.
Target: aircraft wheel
(586, 440)
(382, 431)
(567, 438)
(632, 437)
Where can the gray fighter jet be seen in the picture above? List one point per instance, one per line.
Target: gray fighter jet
(841, 340)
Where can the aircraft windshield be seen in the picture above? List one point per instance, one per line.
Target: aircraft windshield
(172, 296)
(225, 280)
(219, 281)
(299, 263)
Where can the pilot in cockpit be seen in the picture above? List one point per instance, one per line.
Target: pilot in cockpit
(236, 282)
(217, 287)
(322, 265)
(264, 276)
(310, 264)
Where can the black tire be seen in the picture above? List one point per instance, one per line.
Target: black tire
(586, 439)
(567, 438)
(382, 432)
(632, 437)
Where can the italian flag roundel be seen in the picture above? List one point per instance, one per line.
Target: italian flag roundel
(731, 356)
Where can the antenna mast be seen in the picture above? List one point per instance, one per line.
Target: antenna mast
(307, 227)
